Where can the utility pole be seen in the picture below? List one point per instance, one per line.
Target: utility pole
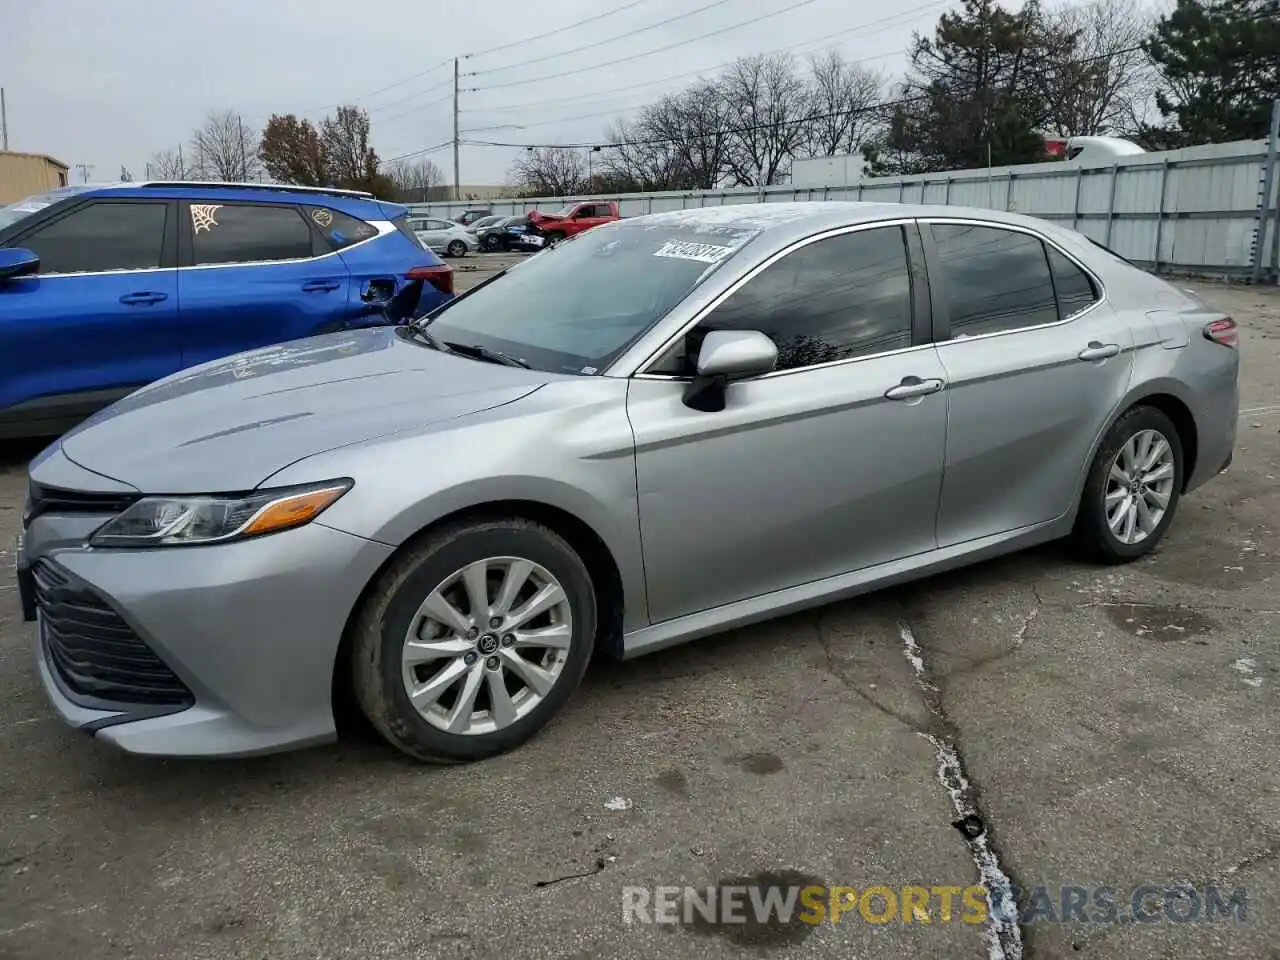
(85, 169)
(4, 123)
(457, 177)
(244, 156)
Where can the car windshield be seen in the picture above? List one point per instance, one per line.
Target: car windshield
(24, 208)
(577, 307)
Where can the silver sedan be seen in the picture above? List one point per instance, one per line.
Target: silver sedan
(669, 426)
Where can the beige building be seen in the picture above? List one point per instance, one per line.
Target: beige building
(22, 174)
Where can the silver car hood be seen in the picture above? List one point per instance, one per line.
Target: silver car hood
(230, 424)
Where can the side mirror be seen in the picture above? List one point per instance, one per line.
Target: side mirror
(17, 262)
(725, 356)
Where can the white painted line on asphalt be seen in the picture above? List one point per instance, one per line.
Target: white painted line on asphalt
(1254, 411)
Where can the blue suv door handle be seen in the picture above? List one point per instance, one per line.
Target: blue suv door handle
(320, 286)
(146, 297)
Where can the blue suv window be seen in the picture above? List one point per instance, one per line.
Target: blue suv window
(247, 233)
(101, 236)
(339, 229)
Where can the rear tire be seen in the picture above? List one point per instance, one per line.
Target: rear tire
(554, 237)
(481, 686)
(456, 248)
(1132, 489)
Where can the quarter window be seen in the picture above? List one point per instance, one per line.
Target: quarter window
(996, 280)
(835, 299)
(102, 236)
(338, 229)
(243, 233)
(1075, 289)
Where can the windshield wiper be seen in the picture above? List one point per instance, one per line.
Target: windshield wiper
(420, 334)
(484, 353)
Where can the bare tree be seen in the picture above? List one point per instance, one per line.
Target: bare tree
(168, 165)
(224, 147)
(766, 97)
(1107, 84)
(351, 161)
(550, 171)
(843, 99)
(415, 181)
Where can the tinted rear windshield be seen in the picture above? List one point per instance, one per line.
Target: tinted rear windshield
(575, 308)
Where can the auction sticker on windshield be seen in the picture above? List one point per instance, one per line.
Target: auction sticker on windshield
(690, 250)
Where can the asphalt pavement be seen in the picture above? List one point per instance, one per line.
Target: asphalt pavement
(1098, 727)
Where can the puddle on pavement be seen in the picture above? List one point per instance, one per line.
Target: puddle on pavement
(674, 782)
(760, 764)
(1158, 622)
(755, 932)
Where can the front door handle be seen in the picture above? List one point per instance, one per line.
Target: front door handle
(320, 286)
(144, 297)
(1098, 351)
(912, 387)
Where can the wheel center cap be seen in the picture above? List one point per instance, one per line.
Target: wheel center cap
(487, 644)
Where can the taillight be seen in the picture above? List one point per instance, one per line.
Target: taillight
(1223, 331)
(439, 276)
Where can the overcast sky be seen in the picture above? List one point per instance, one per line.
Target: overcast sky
(108, 84)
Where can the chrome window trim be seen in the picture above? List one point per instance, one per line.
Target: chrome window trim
(383, 227)
(1019, 228)
(655, 355)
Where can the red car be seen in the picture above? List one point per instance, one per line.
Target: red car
(573, 219)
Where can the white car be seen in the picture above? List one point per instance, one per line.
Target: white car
(444, 236)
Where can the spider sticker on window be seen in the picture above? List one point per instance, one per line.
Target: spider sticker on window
(202, 217)
(322, 217)
(688, 250)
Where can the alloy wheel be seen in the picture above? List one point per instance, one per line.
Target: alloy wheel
(487, 645)
(1139, 486)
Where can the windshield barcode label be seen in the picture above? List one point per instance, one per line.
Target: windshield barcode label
(688, 250)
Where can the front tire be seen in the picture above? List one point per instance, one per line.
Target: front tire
(1132, 489)
(491, 244)
(456, 248)
(554, 237)
(474, 639)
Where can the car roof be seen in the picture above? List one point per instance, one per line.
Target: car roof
(354, 202)
(782, 223)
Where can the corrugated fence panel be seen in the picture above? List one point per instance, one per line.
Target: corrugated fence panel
(1192, 209)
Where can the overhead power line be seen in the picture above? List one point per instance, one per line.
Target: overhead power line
(553, 33)
(649, 53)
(598, 94)
(597, 43)
(750, 128)
(615, 110)
(420, 153)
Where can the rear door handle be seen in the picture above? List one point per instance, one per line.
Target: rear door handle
(144, 297)
(912, 387)
(1098, 351)
(320, 286)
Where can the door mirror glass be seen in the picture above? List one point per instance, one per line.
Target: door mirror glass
(736, 354)
(17, 262)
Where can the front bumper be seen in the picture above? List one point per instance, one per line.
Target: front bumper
(250, 629)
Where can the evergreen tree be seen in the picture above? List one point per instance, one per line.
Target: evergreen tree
(1220, 60)
(978, 85)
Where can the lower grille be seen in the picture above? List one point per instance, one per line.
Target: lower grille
(94, 651)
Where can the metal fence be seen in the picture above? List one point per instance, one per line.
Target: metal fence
(1210, 210)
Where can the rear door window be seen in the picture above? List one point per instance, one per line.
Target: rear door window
(1074, 288)
(102, 236)
(996, 280)
(247, 233)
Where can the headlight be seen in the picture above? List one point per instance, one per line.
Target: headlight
(173, 521)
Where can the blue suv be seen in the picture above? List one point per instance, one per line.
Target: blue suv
(106, 288)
